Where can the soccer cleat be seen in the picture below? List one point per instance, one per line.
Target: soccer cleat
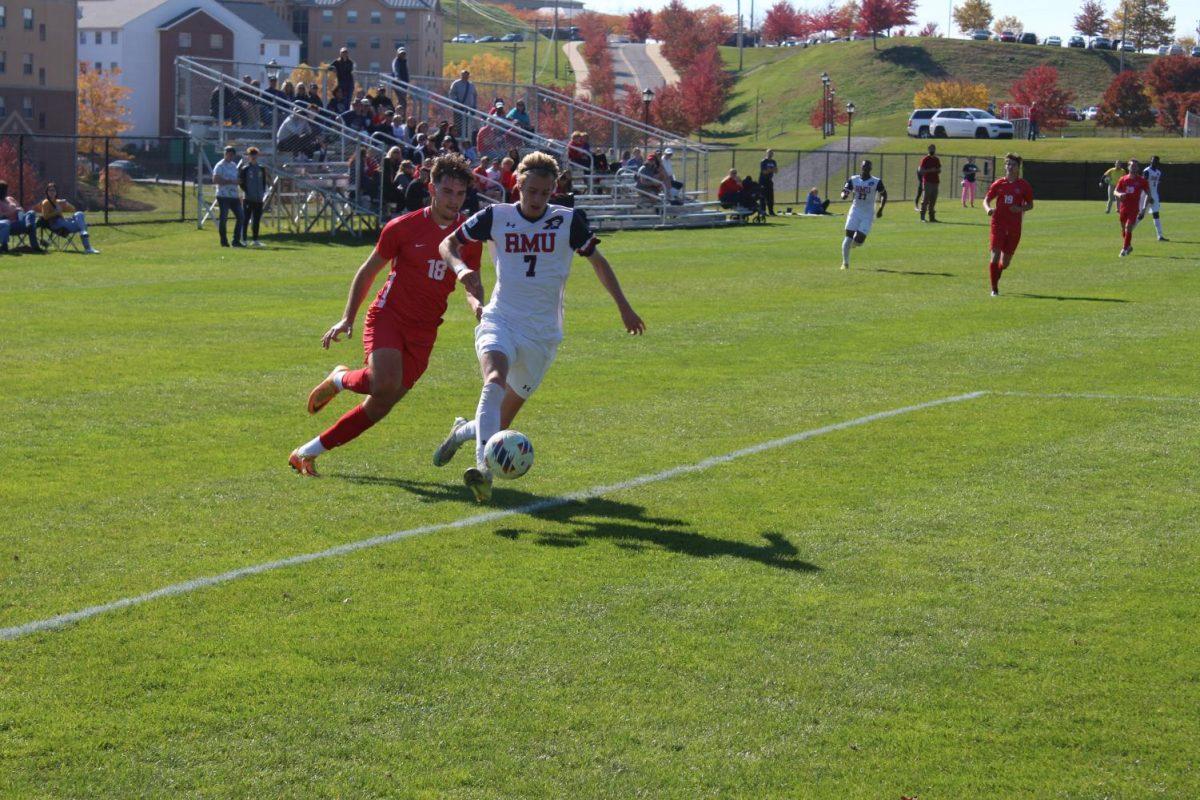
(450, 445)
(845, 265)
(325, 391)
(304, 465)
(91, 251)
(995, 292)
(1163, 239)
(1125, 251)
(480, 484)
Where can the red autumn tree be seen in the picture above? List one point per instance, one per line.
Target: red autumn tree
(929, 31)
(1091, 19)
(1174, 85)
(639, 24)
(601, 82)
(1126, 104)
(877, 16)
(816, 117)
(782, 20)
(1038, 88)
(24, 183)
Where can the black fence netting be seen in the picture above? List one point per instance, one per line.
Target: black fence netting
(1082, 180)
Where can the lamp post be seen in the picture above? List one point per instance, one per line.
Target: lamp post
(850, 109)
(824, 105)
(272, 69)
(647, 98)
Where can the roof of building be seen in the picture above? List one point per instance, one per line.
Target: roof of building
(179, 18)
(262, 18)
(113, 13)
(413, 5)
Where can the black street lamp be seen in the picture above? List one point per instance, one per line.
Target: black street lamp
(824, 104)
(647, 98)
(850, 109)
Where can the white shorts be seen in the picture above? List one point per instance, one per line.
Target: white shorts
(860, 221)
(528, 359)
(1153, 204)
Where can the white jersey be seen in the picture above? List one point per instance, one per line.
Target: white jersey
(1152, 176)
(533, 261)
(862, 193)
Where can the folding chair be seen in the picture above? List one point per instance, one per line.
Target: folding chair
(60, 241)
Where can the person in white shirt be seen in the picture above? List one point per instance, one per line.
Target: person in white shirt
(676, 187)
(864, 189)
(521, 326)
(225, 176)
(1153, 174)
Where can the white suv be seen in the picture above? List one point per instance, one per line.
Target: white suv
(918, 123)
(970, 123)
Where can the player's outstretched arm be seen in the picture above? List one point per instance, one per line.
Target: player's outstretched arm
(451, 252)
(363, 279)
(608, 279)
(882, 202)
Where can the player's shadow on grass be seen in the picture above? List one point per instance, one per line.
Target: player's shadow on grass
(1070, 298)
(625, 524)
(298, 241)
(917, 272)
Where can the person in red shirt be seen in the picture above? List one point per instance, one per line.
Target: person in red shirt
(929, 172)
(1006, 202)
(1131, 193)
(402, 324)
(729, 193)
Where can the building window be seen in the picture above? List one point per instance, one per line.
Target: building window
(98, 66)
(374, 42)
(3, 108)
(112, 37)
(376, 18)
(373, 66)
(400, 17)
(185, 40)
(41, 31)
(27, 16)
(99, 37)
(27, 64)
(82, 37)
(285, 50)
(42, 75)
(3, 16)
(42, 120)
(351, 43)
(27, 107)
(262, 49)
(327, 16)
(3, 63)
(327, 41)
(216, 41)
(352, 16)
(112, 67)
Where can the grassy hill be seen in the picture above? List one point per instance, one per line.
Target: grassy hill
(784, 83)
(496, 21)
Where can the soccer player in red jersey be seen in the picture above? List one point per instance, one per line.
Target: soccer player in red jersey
(1006, 202)
(401, 325)
(1131, 193)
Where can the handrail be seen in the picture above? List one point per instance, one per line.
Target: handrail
(651, 131)
(662, 196)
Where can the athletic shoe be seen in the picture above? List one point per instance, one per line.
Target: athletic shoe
(995, 292)
(91, 251)
(304, 465)
(845, 266)
(480, 484)
(256, 243)
(1163, 239)
(450, 445)
(1125, 251)
(325, 391)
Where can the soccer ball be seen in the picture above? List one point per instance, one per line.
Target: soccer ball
(509, 454)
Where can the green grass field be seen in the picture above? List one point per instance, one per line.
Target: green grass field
(993, 597)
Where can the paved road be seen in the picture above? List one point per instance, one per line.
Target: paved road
(634, 67)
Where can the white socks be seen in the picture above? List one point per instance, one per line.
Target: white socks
(1158, 225)
(846, 250)
(487, 418)
(312, 449)
(465, 432)
(337, 379)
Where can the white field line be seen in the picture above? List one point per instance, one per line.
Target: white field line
(1132, 398)
(50, 623)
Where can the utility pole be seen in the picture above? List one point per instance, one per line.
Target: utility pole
(554, 39)
(536, 36)
(739, 35)
(457, 17)
(515, 47)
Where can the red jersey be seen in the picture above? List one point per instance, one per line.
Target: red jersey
(1003, 194)
(1136, 186)
(930, 162)
(420, 283)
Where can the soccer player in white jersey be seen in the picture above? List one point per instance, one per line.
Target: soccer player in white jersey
(520, 328)
(1153, 174)
(864, 189)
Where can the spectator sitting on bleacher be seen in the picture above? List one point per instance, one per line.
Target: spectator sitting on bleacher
(600, 163)
(634, 160)
(296, 134)
(426, 148)
(289, 91)
(338, 104)
(729, 193)
(439, 136)
(383, 130)
(676, 186)
(579, 151)
(416, 196)
(273, 88)
(564, 190)
(404, 177)
(60, 216)
(358, 118)
(380, 102)
(813, 204)
(407, 131)
(520, 117)
(508, 179)
(489, 141)
(364, 174)
(14, 220)
(302, 95)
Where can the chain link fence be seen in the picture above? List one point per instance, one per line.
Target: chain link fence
(114, 180)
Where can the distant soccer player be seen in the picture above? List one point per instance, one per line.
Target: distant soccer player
(521, 326)
(1131, 193)
(402, 324)
(864, 189)
(1006, 202)
(1153, 174)
(930, 171)
(1109, 182)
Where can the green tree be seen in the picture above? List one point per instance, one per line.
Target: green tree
(1143, 22)
(1009, 23)
(973, 15)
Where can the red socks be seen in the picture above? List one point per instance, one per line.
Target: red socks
(357, 380)
(994, 274)
(349, 427)
(1128, 239)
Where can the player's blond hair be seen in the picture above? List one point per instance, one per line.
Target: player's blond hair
(1014, 157)
(451, 165)
(538, 163)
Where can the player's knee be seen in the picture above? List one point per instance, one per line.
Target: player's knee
(1154, 214)
(494, 376)
(387, 387)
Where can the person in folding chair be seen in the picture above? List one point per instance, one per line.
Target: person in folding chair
(15, 221)
(61, 219)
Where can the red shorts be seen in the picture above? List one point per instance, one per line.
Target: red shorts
(1005, 239)
(1127, 217)
(385, 331)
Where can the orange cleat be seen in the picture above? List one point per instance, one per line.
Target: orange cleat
(325, 391)
(304, 465)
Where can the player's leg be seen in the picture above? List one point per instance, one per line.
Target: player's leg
(917, 196)
(847, 242)
(931, 197)
(493, 363)
(1154, 208)
(996, 246)
(1127, 223)
(1108, 208)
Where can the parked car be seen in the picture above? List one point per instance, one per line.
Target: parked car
(486, 40)
(1074, 114)
(1076, 41)
(1028, 38)
(1175, 50)
(1196, 51)
(463, 38)
(981, 35)
(1053, 41)
(1008, 36)
(512, 37)
(918, 122)
(1100, 43)
(1090, 112)
(959, 123)
(128, 167)
(1128, 46)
